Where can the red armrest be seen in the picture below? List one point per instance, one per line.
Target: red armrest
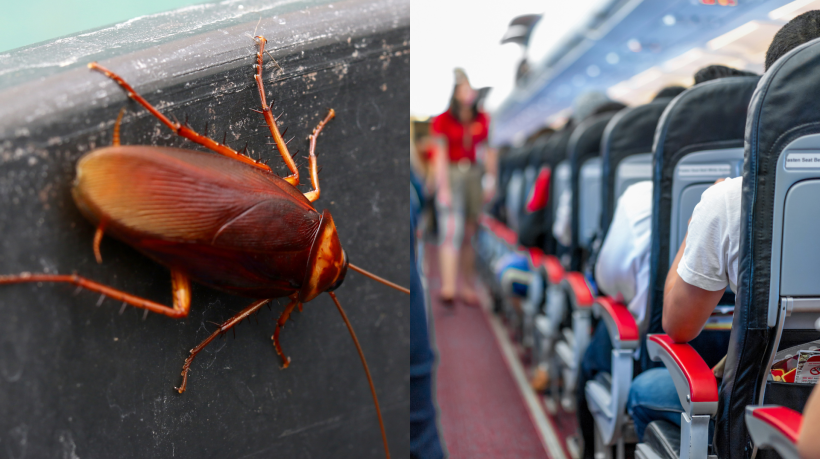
(536, 257)
(786, 420)
(694, 380)
(499, 229)
(619, 321)
(506, 234)
(775, 427)
(577, 285)
(486, 220)
(555, 272)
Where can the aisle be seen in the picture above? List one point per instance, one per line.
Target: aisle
(483, 412)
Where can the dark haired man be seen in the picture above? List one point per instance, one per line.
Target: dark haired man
(706, 263)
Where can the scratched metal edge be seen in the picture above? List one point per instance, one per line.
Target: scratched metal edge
(47, 100)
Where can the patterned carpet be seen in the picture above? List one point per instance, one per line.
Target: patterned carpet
(482, 411)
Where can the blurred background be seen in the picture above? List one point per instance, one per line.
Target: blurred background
(627, 48)
(26, 23)
(496, 90)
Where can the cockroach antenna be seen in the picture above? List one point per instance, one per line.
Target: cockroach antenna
(257, 27)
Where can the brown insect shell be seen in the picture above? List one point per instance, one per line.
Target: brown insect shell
(218, 221)
(327, 264)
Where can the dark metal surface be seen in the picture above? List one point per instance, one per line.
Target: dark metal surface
(83, 381)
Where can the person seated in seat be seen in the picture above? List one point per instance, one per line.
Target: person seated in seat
(706, 263)
(622, 266)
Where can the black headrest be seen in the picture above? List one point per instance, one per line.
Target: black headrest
(783, 108)
(630, 132)
(555, 149)
(584, 143)
(708, 116)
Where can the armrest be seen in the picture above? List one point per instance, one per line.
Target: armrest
(499, 229)
(536, 257)
(694, 380)
(550, 263)
(578, 288)
(775, 427)
(555, 272)
(623, 331)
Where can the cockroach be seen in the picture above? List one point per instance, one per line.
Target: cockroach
(224, 220)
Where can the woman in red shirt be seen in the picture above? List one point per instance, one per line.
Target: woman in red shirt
(458, 181)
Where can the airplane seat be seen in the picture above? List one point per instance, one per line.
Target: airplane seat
(583, 152)
(699, 138)
(535, 237)
(515, 187)
(626, 159)
(779, 297)
(550, 311)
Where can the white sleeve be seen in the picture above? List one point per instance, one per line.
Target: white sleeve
(705, 259)
(612, 269)
(562, 229)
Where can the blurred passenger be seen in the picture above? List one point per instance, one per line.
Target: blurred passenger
(669, 92)
(714, 72)
(706, 263)
(458, 187)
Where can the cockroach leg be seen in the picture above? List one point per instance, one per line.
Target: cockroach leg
(98, 235)
(230, 323)
(179, 310)
(314, 172)
(183, 131)
(116, 138)
(293, 179)
(279, 324)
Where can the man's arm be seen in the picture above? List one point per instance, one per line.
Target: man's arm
(686, 308)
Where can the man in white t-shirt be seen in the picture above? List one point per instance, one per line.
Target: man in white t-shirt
(622, 268)
(621, 271)
(705, 265)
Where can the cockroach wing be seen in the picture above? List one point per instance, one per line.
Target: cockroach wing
(222, 222)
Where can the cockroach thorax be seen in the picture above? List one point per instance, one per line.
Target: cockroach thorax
(327, 263)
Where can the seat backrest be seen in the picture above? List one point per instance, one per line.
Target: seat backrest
(515, 186)
(626, 154)
(779, 254)
(554, 152)
(583, 151)
(700, 132)
(561, 182)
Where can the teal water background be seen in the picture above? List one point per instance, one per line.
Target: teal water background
(27, 22)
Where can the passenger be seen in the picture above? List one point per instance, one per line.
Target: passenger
(622, 267)
(706, 263)
(808, 444)
(458, 181)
